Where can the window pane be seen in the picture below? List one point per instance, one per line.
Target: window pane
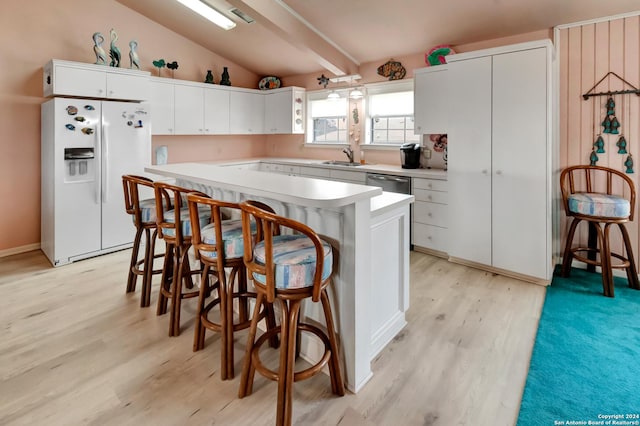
(380, 123)
(396, 123)
(380, 136)
(396, 136)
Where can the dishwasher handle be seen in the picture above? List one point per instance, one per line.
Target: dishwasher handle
(388, 178)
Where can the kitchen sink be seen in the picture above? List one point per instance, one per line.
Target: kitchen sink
(340, 163)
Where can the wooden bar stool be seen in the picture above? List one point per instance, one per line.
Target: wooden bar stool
(584, 203)
(143, 213)
(289, 268)
(215, 257)
(174, 226)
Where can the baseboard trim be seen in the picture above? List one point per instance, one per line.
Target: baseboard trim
(18, 250)
(522, 277)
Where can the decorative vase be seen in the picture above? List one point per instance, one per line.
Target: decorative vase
(209, 77)
(225, 78)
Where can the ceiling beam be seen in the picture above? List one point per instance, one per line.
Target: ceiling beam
(284, 22)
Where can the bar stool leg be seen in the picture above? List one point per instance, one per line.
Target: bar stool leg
(198, 337)
(568, 254)
(167, 278)
(632, 272)
(605, 259)
(248, 371)
(337, 385)
(289, 332)
(131, 278)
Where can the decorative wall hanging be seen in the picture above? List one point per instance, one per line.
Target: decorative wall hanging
(323, 81)
(101, 55)
(599, 145)
(269, 82)
(114, 52)
(133, 55)
(629, 164)
(593, 158)
(224, 79)
(392, 69)
(160, 63)
(633, 90)
(436, 56)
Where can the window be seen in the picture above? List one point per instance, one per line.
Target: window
(390, 113)
(328, 121)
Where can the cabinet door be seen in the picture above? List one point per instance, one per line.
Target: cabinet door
(469, 162)
(246, 111)
(189, 110)
(431, 93)
(162, 108)
(277, 112)
(216, 111)
(520, 163)
(128, 87)
(79, 82)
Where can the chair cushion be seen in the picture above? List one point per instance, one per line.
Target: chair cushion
(603, 205)
(148, 210)
(295, 261)
(231, 235)
(204, 213)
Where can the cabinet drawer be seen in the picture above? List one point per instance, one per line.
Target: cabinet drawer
(348, 176)
(315, 172)
(429, 236)
(431, 184)
(289, 169)
(430, 213)
(431, 196)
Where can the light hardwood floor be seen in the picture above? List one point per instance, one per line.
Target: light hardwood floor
(75, 349)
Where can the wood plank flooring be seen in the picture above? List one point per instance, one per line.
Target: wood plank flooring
(75, 349)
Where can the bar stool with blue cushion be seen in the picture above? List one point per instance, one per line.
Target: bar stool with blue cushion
(174, 226)
(288, 268)
(143, 214)
(612, 204)
(217, 258)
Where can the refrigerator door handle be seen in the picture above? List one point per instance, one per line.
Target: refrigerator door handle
(104, 163)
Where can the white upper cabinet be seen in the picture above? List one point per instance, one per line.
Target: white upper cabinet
(162, 107)
(65, 78)
(216, 110)
(430, 97)
(284, 111)
(189, 109)
(246, 112)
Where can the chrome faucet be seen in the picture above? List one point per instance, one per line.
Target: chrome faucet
(349, 152)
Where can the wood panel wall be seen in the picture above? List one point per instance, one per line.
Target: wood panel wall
(586, 53)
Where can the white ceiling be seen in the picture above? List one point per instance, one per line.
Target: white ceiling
(351, 32)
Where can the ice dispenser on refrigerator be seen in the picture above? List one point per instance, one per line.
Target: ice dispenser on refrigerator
(79, 164)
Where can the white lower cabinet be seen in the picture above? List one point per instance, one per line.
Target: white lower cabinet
(500, 150)
(430, 214)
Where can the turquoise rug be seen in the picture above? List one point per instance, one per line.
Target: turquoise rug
(585, 364)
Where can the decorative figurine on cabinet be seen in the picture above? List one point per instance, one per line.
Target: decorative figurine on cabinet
(173, 66)
(101, 55)
(160, 63)
(114, 52)
(209, 77)
(225, 77)
(133, 55)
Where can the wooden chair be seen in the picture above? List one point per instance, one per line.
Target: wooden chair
(289, 268)
(174, 226)
(584, 203)
(143, 213)
(216, 257)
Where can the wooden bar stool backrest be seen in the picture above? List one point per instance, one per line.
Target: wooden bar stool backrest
(587, 179)
(170, 197)
(267, 223)
(132, 195)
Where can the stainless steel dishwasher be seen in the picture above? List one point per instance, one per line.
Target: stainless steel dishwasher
(390, 183)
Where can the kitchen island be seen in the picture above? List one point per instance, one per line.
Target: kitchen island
(370, 294)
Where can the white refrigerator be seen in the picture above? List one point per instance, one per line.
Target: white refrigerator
(87, 145)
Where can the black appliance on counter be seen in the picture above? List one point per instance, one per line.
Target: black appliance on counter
(410, 155)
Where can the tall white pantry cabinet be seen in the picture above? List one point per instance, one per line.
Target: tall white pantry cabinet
(500, 147)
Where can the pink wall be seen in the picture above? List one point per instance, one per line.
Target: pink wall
(35, 31)
(587, 53)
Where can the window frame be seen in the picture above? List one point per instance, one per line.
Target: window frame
(373, 89)
(318, 95)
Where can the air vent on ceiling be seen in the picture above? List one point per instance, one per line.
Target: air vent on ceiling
(240, 14)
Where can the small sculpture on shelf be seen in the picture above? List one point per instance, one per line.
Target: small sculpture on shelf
(133, 55)
(224, 80)
(101, 55)
(173, 66)
(160, 63)
(114, 52)
(209, 77)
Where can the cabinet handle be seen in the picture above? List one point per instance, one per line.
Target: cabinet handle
(429, 214)
(498, 172)
(429, 197)
(429, 186)
(485, 171)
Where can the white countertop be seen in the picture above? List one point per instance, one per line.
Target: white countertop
(388, 201)
(292, 189)
(368, 168)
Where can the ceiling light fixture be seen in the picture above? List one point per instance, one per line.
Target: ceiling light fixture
(356, 94)
(333, 95)
(207, 11)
